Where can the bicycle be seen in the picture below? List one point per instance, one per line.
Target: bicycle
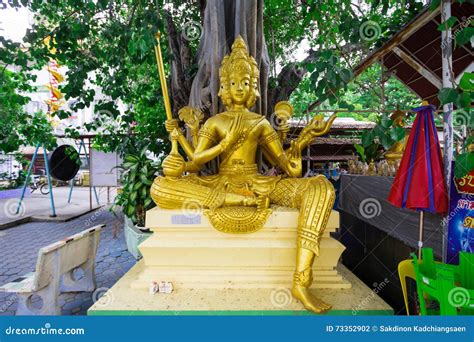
(38, 182)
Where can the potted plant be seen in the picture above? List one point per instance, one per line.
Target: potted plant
(134, 197)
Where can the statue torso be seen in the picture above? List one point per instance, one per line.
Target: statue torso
(244, 151)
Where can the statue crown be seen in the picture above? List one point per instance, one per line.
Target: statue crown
(239, 60)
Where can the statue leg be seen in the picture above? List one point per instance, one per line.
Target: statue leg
(191, 193)
(315, 198)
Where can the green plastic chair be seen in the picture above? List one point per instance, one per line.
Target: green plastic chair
(452, 286)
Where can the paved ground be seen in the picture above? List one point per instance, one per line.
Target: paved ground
(20, 245)
(39, 205)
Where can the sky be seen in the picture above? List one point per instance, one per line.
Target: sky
(13, 23)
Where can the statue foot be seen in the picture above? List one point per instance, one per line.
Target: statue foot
(309, 301)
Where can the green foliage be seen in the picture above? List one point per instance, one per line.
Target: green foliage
(383, 135)
(139, 170)
(109, 46)
(340, 33)
(72, 154)
(104, 45)
(18, 127)
(362, 93)
(462, 96)
(464, 164)
(465, 160)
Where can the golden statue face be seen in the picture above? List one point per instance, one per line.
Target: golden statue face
(239, 87)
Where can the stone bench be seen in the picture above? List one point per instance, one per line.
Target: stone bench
(57, 271)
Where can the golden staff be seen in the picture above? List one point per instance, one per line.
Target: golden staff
(161, 71)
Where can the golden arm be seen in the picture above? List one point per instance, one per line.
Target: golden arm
(317, 127)
(276, 155)
(206, 148)
(173, 124)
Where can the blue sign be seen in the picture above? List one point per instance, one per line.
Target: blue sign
(461, 218)
(237, 328)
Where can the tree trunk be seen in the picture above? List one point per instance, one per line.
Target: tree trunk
(223, 22)
(180, 82)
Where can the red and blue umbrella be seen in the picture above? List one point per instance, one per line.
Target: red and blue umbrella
(419, 183)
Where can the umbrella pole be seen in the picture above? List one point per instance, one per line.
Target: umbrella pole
(420, 237)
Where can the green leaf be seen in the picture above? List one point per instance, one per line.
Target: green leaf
(449, 23)
(136, 186)
(143, 151)
(132, 175)
(147, 203)
(398, 133)
(386, 122)
(372, 152)
(133, 196)
(131, 158)
(434, 4)
(464, 164)
(144, 192)
(361, 151)
(130, 210)
(386, 141)
(145, 180)
(127, 165)
(463, 100)
(464, 36)
(467, 81)
(346, 75)
(447, 95)
(367, 138)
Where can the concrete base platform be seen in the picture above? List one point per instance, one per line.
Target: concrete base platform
(121, 299)
(188, 251)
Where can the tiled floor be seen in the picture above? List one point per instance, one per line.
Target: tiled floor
(19, 250)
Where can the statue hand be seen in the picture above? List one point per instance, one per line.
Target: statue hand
(193, 125)
(318, 126)
(192, 117)
(263, 202)
(172, 124)
(294, 159)
(233, 133)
